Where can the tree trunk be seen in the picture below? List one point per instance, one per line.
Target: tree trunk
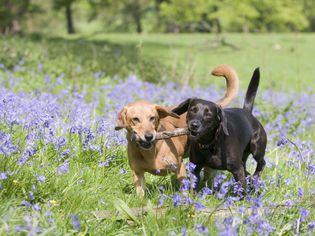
(138, 23)
(70, 25)
(16, 26)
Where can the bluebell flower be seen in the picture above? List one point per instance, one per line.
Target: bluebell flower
(41, 178)
(228, 231)
(177, 200)
(190, 166)
(201, 229)
(36, 207)
(31, 195)
(184, 231)
(122, 171)
(304, 213)
(161, 199)
(63, 168)
(300, 192)
(18, 228)
(76, 223)
(3, 175)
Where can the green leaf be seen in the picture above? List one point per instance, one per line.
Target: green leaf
(123, 209)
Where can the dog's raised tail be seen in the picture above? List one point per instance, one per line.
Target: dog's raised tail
(232, 83)
(251, 91)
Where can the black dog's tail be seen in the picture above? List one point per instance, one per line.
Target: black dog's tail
(251, 91)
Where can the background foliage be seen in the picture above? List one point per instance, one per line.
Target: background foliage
(157, 16)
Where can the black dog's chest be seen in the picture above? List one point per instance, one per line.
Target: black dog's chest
(212, 158)
(214, 161)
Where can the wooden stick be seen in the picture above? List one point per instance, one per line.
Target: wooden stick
(170, 134)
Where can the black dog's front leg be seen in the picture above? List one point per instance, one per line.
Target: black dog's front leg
(196, 173)
(239, 176)
(194, 159)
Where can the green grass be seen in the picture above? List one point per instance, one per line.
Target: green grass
(88, 188)
(286, 60)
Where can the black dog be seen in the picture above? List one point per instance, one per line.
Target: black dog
(223, 138)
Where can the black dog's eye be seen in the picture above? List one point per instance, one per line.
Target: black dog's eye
(152, 119)
(194, 109)
(207, 112)
(135, 120)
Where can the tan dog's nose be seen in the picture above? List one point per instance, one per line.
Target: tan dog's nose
(148, 137)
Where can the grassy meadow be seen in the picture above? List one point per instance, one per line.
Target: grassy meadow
(64, 170)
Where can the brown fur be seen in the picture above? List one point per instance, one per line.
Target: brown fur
(159, 157)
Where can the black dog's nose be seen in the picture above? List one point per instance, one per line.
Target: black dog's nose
(194, 125)
(148, 137)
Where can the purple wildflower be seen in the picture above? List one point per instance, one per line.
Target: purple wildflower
(122, 171)
(228, 231)
(190, 166)
(184, 231)
(106, 163)
(3, 175)
(304, 214)
(26, 203)
(18, 228)
(177, 200)
(300, 192)
(185, 185)
(282, 141)
(311, 227)
(198, 206)
(31, 195)
(63, 168)
(75, 222)
(202, 229)
(289, 203)
(41, 178)
(37, 207)
(61, 142)
(161, 199)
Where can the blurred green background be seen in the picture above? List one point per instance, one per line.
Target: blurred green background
(165, 40)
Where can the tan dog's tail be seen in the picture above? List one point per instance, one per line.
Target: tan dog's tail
(232, 83)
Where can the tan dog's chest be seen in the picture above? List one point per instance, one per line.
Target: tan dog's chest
(158, 161)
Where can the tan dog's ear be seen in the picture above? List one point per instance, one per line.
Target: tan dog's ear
(121, 119)
(163, 112)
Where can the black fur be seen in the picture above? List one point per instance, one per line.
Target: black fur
(223, 138)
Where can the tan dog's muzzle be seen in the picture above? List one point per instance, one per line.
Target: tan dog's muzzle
(145, 142)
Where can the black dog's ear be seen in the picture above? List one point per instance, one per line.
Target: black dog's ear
(223, 120)
(182, 107)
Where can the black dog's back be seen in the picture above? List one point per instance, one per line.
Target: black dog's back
(245, 127)
(240, 125)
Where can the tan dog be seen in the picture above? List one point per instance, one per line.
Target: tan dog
(143, 120)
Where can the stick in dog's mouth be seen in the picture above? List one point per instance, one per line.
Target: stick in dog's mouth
(170, 134)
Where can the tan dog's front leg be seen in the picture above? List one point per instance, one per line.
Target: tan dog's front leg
(138, 179)
(181, 172)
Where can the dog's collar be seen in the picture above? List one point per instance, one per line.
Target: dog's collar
(211, 146)
(203, 146)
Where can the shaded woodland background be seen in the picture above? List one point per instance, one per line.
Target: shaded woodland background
(56, 16)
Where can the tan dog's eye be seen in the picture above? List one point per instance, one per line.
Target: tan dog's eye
(152, 119)
(135, 120)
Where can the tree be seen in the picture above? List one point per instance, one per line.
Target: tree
(309, 10)
(11, 14)
(280, 15)
(67, 6)
(187, 15)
